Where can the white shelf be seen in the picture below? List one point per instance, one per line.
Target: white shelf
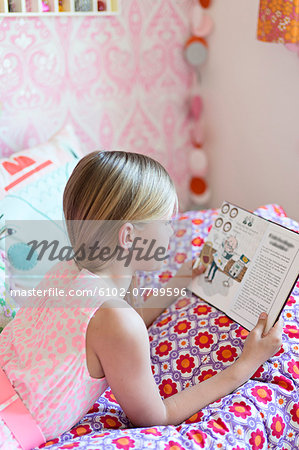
(13, 8)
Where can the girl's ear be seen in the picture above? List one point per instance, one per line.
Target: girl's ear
(126, 235)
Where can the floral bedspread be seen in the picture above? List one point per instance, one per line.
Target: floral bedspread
(190, 342)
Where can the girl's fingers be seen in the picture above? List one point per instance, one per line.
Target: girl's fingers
(195, 263)
(199, 270)
(278, 327)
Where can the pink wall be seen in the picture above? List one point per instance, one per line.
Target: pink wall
(251, 95)
(121, 81)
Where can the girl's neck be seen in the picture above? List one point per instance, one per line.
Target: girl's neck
(116, 278)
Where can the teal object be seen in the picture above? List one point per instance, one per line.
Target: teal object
(17, 256)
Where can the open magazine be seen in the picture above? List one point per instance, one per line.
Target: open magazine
(251, 264)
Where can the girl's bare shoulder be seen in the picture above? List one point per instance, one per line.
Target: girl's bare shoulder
(115, 318)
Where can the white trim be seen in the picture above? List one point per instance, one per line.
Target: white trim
(9, 402)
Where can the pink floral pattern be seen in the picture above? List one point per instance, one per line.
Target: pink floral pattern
(241, 409)
(257, 439)
(262, 394)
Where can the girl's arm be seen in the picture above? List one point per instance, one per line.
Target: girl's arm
(119, 338)
(156, 304)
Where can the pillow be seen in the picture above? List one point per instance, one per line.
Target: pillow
(33, 212)
(26, 166)
(33, 196)
(39, 200)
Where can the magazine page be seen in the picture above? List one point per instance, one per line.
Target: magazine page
(270, 278)
(237, 254)
(228, 253)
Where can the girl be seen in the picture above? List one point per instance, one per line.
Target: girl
(57, 357)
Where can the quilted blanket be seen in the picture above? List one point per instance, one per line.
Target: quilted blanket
(190, 342)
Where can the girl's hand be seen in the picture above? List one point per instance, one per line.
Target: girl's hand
(258, 346)
(188, 272)
(156, 304)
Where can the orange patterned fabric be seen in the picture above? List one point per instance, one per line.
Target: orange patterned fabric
(279, 21)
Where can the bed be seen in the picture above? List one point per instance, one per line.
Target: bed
(263, 413)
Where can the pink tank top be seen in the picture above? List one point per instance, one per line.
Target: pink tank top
(43, 351)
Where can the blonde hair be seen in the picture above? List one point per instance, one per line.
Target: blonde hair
(114, 186)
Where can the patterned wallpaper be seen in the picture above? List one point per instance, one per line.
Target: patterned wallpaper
(121, 81)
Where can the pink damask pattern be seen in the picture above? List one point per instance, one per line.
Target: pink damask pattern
(121, 81)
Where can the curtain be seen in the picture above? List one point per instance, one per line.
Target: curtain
(278, 21)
